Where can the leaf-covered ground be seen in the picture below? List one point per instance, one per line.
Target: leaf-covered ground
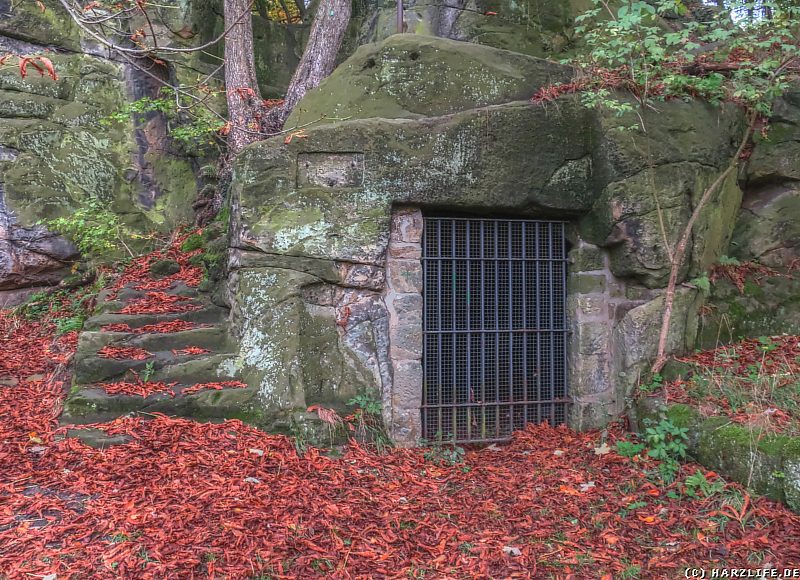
(184, 500)
(755, 382)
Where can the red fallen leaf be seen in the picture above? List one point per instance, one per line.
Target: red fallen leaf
(611, 539)
(121, 327)
(190, 351)
(343, 316)
(328, 416)
(124, 352)
(490, 13)
(301, 134)
(139, 388)
(40, 63)
(214, 386)
(159, 303)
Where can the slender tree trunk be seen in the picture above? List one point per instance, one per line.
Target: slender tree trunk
(243, 95)
(319, 57)
(680, 249)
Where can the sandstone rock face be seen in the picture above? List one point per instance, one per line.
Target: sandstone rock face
(411, 76)
(57, 149)
(538, 29)
(30, 257)
(767, 232)
(337, 215)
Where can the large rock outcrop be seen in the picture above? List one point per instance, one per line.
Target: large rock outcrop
(326, 227)
(59, 148)
(767, 232)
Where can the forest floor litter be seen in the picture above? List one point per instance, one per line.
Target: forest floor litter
(183, 499)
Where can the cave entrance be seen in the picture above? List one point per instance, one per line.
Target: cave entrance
(494, 327)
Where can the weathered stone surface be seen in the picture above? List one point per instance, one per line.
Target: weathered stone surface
(635, 337)
(31, 257)
(300, 353)
(540, 29)
(640, 218)
(769, 307)
(48, 27)
(406, 341)
(586, 258)
(776, 158)
(55, 153)
(410, 76)
(163, 268)
(768, 227)
(470, 160)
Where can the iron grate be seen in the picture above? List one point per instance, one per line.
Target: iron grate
(495, 327)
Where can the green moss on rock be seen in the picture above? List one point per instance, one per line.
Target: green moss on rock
(408, 76)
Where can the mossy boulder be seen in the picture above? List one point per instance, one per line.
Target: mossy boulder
(468, 160)
(57, 150)
(162, 268)
(44, 25)
(767, 463)
(776, 156)
(764, 308)
(768, 227)
(408, 76)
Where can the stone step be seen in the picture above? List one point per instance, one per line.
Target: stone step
(88, 402)
(208, 368)
(112, 301)
(212, 338)
(91, 404)
(208, 314)
(166, 366)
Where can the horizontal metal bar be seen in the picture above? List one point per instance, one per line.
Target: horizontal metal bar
(493, 220)
(506, 260)
(492, 404)
(496, 330)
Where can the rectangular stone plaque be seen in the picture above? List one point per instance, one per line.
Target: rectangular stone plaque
(330, 169)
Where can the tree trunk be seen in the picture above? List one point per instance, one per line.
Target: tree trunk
(243, 95)
(680, 249)
(319, 58)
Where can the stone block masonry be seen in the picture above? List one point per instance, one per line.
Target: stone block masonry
(403, 299)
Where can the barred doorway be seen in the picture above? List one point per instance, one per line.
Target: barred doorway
(494, 326)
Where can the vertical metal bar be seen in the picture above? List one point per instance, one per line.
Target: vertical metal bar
(538, 299)
(468, 333)
(425, 328)
(453, 324)
(525, 323)
(439, 427)
(552, 325)
(564, 321)
(497, 328)
(510, 274)
(483, 326)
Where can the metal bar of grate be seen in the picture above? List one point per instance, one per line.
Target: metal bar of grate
(495, 328)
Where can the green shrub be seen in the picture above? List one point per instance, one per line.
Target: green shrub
(95, 231)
